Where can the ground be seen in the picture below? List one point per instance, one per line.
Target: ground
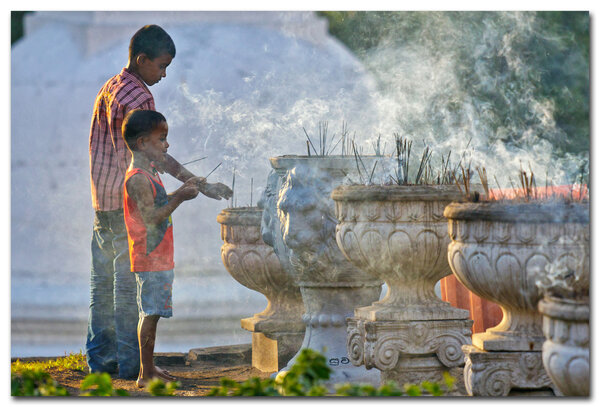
(198, 371)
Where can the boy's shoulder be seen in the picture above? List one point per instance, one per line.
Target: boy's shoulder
(127, 89)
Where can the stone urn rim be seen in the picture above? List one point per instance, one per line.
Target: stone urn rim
(565, 308)
(393, 192)
(243, 216)
(519, 212)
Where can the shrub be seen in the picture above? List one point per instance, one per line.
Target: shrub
(34, 382)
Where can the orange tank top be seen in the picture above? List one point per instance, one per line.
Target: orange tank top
(150, 246)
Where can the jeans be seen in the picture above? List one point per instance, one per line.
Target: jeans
(112, 341)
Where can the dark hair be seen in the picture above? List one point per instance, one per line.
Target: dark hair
(138, 123)
(151, 40)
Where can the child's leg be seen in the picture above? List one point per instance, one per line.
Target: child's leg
(147, 338)
(154, 301)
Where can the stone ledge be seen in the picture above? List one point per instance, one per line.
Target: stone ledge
(230, 354)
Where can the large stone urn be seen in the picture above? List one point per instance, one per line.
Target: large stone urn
(565, 310)
(278, 330)
(497, 251)
(398, 233)
(331, 286)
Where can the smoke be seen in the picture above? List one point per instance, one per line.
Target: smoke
(461, 82)
(452, 80)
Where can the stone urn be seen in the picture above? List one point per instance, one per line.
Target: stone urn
(331, 286)
(497, 251)
(565, 310)
(277, 331)
(397, 233)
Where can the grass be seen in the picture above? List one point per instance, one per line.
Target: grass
(72, 361)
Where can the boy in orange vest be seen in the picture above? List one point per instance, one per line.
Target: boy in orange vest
(147, 211)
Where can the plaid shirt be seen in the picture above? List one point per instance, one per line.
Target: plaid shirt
(109, 156)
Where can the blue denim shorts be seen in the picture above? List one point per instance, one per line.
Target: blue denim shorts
(155, 293)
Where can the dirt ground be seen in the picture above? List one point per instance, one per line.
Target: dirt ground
(198, 371)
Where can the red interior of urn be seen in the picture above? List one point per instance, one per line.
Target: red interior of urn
(485, 314)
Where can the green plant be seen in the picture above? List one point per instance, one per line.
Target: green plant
(34, 382)
(100, 384)
(304, 378)
(390, 388)
(158, 388)
(307, 377)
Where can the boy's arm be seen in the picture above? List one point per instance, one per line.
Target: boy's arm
(177, 170)
(139, 188)
(215, 191)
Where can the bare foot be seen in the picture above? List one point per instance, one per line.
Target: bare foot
(163, 371)
(163, 374)
(158, 373)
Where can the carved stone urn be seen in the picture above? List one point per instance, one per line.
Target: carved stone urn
(398, 233)
(497, 251)
(331, 286)
(565, 310)
(278, 330)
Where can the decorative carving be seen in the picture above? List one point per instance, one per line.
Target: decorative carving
(331, 286)
(381, 344)
(495, 374)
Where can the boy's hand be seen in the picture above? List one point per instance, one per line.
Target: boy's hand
(200, 181)
(191, 187)
(217, 191)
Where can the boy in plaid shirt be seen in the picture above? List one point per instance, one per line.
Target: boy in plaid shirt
(112, 343)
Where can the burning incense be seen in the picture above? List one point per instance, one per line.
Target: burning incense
(233, 187)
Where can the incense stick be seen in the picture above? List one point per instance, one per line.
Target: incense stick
(214, 169)
(193, 161)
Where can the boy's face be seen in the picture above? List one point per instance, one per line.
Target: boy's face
(153, 70)
(155, 144)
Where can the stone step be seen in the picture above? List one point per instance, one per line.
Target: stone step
(230, 355)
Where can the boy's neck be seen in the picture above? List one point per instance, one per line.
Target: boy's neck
(132, 67)
(140, 161)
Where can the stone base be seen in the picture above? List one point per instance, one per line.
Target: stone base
(270, 352)
(507, 341)
(381, 344)
(499, 374)
(330, 341)
(417, 369)
(410, 351)
(264, 353)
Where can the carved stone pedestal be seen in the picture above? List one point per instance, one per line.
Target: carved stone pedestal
(410, 351)
(504, 373)
(331, 286)
(566, 352)
(278, 330)
(398, 233)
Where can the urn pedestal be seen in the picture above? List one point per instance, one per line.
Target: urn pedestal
(566, 351)
(565, 310)
(278, 330)
(331, 286)
(398, 233)
(497, 251)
